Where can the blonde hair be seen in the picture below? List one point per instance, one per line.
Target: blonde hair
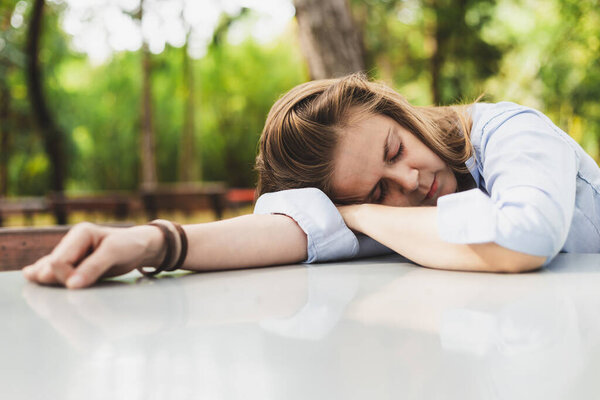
(303, 127)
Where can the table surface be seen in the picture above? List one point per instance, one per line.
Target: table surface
(379, 328)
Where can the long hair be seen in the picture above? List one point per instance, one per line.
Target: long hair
(303, 128)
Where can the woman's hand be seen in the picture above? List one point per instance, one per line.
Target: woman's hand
(89, 252)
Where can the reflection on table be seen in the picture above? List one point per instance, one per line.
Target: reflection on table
(377, 328)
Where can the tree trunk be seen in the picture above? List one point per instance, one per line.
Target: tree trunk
(4, 115)
(188, 160)
(436, 63)
(438, 39)
(53, 138)
(4, 137)
(148, 145)
(329, 38)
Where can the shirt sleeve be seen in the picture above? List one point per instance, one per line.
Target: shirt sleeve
(530, 174)
(369, 247)
(328, 237)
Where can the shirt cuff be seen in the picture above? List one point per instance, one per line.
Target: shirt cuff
(328, 237)
(466, 217)
(472, 217)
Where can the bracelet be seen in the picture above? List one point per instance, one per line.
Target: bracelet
(176, 244)
(183, 248)
(169, 240)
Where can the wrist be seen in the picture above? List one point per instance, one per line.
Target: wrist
(352, 215)
(153, 243)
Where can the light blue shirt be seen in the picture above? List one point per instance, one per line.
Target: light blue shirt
(538, 192)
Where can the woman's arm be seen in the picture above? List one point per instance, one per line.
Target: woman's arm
(89, 252)
(246, 241)
(413, 233)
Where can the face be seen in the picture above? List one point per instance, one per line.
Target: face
(379, 161)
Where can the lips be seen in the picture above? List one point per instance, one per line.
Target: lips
(434, 187)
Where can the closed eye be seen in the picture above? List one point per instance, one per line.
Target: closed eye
(378, 198)
(383, 189)
(397, 155)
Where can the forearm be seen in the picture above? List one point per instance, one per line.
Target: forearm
(413, 232)
(246, 241)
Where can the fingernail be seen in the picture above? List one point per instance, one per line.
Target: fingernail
(75, 281)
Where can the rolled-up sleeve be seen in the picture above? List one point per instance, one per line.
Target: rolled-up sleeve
(328, 237)
(530, 173)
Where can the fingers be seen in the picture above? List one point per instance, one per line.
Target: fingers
(87, 253)
(40, 272)
(59, 265)
(119, 252)
(92, 267)
(54, 270)
(74, 247)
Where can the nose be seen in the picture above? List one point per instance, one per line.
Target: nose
(404, 177)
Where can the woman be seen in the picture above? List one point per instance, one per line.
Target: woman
(483, 187)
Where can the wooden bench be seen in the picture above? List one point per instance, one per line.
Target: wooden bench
(22, 246)
(175, 197)
(119, 205)
(186, 198)
(26, 206)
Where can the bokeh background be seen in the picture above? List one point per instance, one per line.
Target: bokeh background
(84, 83)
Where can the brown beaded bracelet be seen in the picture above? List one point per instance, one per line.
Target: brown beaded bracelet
(184, 247)
(169, 240)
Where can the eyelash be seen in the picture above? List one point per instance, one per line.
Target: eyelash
(397, 155)
(382, 185)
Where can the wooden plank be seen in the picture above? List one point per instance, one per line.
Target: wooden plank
(20, 247)
(117, 204)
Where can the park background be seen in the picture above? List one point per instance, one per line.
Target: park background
(84, 84)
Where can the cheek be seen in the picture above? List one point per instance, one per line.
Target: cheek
(451, 184)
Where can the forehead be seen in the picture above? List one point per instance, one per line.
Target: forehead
(358, 159)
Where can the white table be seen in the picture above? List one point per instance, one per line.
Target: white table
(369, 329)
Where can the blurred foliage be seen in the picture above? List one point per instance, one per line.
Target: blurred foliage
(429, 44)
(541, 53)
(99, 109)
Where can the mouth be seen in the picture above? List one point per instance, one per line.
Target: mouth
(433, 190)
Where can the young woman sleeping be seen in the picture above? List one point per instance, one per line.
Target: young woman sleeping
(349, 168)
